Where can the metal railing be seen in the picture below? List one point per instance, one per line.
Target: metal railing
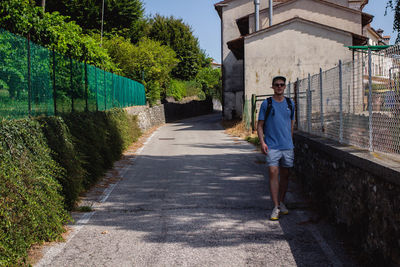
(356, 103)
(37, 81)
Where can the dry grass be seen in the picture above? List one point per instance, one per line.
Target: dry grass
(238, 129)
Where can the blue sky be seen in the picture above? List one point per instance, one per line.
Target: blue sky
(205, 23)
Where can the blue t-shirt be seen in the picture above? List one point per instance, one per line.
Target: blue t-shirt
(278, 127)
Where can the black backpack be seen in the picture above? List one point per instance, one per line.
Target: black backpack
(269, 107)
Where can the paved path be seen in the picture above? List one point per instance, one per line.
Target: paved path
(194, 196)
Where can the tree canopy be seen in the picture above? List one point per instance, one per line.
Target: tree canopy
(161, 52)
(53, 31)
(148, 61)
(395, 6)
(119, 15)
(179, 36)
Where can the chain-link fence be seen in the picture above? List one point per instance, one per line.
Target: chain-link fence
(356, 103)
(36, 81)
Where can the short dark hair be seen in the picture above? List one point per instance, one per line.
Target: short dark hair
(278, 78)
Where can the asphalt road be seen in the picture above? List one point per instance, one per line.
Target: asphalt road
(194, 196)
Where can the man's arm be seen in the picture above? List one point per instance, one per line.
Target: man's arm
(260, 133)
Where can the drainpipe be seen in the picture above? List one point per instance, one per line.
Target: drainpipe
(271, 7)
(257, 14)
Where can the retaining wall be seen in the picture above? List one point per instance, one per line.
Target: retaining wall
(171, 111)
(177, 111)
(148, 116)
(356, 189)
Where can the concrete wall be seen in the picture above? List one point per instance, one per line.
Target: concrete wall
(316, 11)
(232, 69)
(292, 50)
(355, 190)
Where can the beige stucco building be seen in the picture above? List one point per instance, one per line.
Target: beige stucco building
(305, 35)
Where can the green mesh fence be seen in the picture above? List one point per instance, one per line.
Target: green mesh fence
(36, 81)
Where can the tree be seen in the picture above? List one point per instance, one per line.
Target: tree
(179, 36)
(119, 15)
(16, 16)
(50, 30)
(148, 62)
(211, 82)
(395, 6)
(53, 31)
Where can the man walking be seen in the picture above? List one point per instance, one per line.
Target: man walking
(275, 131)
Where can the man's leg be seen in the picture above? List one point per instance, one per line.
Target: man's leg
(287, 162)
(283, 183)
(273, 172)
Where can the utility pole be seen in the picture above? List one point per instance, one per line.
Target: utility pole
(44, 5)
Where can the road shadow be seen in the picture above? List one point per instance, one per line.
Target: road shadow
(220, 199)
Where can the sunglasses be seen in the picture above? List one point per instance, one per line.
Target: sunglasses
(279, 84)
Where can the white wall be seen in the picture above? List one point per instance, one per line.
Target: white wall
(336, 17)
(292, 50)
(233, 68)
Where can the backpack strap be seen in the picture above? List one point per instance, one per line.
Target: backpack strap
(290, 106)
(269, 107)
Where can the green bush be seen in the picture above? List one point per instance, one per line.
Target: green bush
(177, 89)
(100, 139)
(31, 207)
(45, 163)
(90, 134)
(194, 88)
(123, 125)
(62, 144)
(211, 82)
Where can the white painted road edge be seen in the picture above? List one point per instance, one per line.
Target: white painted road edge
(56, 249)
(325, 247)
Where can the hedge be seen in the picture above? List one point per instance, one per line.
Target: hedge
(45, 163)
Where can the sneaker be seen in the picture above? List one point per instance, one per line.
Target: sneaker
(275, 214)
(283, 209)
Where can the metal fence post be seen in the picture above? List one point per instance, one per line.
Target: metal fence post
(348, 99)
(112, 90)
(97, 96)
(54, 83)
(253, 111)
(340, 102)
(370, 98)
(321, 100)
(86, 89)
(105, 90)
(309, 104)
(29, 75)
(296, 89)
(71, 84)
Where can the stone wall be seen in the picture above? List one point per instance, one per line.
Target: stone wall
(170, 111)
(355, 189)
(148, 116)
(177, 111)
